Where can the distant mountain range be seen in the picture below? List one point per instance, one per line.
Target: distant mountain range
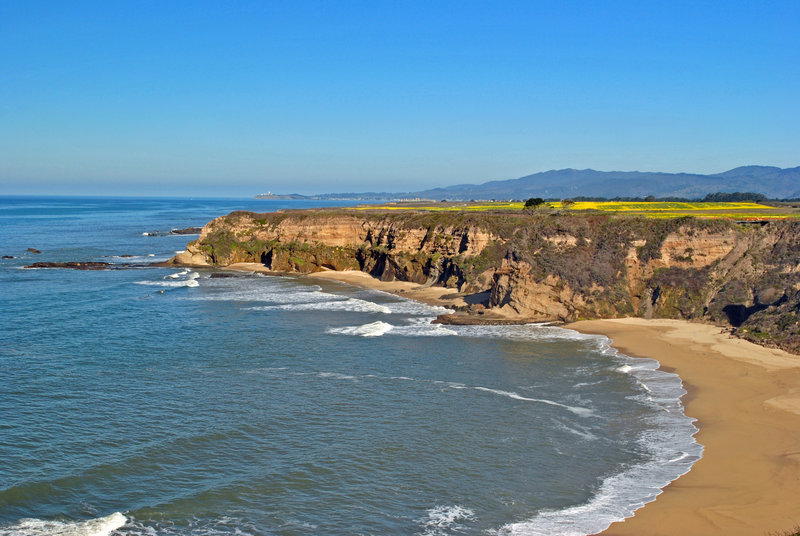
(774, 182)
(563, 183)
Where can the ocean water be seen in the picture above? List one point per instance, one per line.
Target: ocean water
(165, 401)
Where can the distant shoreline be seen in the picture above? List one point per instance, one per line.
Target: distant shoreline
(746, 399)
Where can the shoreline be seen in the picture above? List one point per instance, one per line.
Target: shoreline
(443, 297)
(745, 397)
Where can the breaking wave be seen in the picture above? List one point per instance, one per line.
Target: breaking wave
(669, 440)
(444, 520)
(350, 304)
(185, 278)
(374, 329)
(101, 526)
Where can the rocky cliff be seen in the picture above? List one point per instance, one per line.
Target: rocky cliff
(543, 267)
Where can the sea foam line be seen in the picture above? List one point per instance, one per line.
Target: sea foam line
(101, 526)
(669, 440)
(377, 329)
(583, 412)
(443, 520)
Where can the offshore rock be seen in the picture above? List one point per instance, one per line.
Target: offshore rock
(73, 265)
(187, 231)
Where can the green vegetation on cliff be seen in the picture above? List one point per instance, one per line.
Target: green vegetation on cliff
(544, 265)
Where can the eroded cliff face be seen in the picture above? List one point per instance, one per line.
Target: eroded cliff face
(543, 267)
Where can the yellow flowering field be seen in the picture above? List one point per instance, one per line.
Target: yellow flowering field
(658, 206)
(650, 209)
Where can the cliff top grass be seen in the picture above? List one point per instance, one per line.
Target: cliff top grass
(650, 209)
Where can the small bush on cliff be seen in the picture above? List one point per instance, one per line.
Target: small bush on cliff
(533, 202)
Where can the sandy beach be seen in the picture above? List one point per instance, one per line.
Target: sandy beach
(747, 402)
(746, 399)
(445, 297)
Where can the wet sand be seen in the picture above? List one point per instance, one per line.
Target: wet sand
(445, 297)
(747, 402)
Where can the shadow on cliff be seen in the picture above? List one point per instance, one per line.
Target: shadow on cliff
(738, 314)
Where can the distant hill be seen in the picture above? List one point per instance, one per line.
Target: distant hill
(774, 182)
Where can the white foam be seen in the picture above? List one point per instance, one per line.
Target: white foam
(266, 289)
(184, 283)
(443, 520)
(668, 440)
(101, 526)
(127, 258)
(583, 412)
(681, 456)
(527, 332)
(337, 376)
(424, 330)
(404, 306)
(586, 384)
(374, 329)
(174, 280)
(408, 307)
(429, 330)
(583, 434)
(351, 304)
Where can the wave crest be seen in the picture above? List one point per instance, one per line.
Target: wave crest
(101, 526)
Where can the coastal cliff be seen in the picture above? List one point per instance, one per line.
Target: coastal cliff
(542, 267)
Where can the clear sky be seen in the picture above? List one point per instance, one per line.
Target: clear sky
(237, 98)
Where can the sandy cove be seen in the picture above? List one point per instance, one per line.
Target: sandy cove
(431, 295)
(746, 399)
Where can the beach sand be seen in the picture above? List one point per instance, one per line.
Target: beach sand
(445, 297)
(747, 402)
(746, 399)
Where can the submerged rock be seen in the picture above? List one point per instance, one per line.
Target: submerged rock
(188, 230)
(72, 265)
(33, 250)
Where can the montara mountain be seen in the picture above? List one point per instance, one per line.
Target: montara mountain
(773, 182)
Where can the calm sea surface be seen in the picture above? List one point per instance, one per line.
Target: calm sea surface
(163, 401)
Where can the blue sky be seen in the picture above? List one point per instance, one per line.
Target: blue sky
(236, 98)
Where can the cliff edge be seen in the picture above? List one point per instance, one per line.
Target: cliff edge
(542, 267)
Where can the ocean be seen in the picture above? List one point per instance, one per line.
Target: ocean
(161, 401)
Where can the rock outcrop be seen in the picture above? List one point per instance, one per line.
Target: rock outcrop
(72, 265)
(542, 267)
